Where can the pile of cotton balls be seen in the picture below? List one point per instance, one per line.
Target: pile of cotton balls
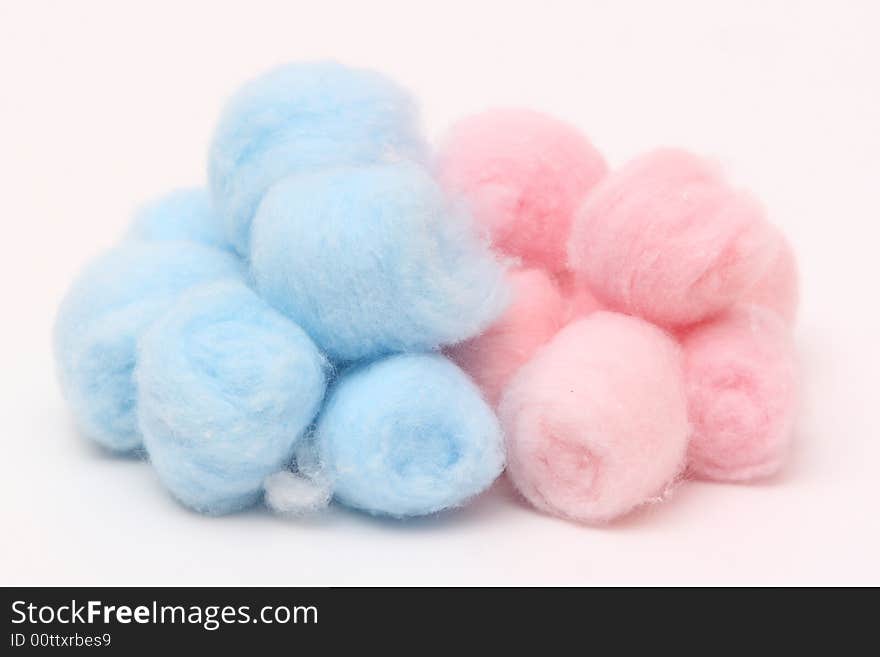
(341, 315)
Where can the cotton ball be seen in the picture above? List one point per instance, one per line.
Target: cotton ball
(665, 238)
(372, 260)
(524, 175)
(102, 316)
(778, 288)
(741, 379)
(408, 435)
(303, 117)
(534, 315)
(596, 422)
(184, 214)
(226, 386)
(292, 494)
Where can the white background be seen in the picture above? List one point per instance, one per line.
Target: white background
(103, 105)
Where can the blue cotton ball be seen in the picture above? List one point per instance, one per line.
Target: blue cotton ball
(372, 260)
(299, 118)
(103, 314)
(184, 214)
(408, 435)
(226, 386)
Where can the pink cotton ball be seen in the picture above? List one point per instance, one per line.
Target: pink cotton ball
(665, 238)
(596, 423)
(778, 289)
(533, 316)
(523, 175)
(741, 381)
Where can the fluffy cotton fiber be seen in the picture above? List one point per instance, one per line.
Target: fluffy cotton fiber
(779, 287)
(665, 238)
(300, 118)
(579, 299)
(106, 310)
(741, 382)
(408, 435)
(534, 315)
(373, 260)
(293, 494)
(596, 422)
(184, 214)
(226, 386)
(524, 174)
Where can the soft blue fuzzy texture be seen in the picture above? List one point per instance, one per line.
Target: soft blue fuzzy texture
(408, 435)
(373, 260)
(302, 117)
(184, 214)
(106, 310)
(226, 387)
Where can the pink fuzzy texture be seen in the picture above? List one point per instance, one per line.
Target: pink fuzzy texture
(596, 423)
(741, 381)
(665, 238)
(579, 299)
(524, 175)
(534, 315)
(778, 288)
